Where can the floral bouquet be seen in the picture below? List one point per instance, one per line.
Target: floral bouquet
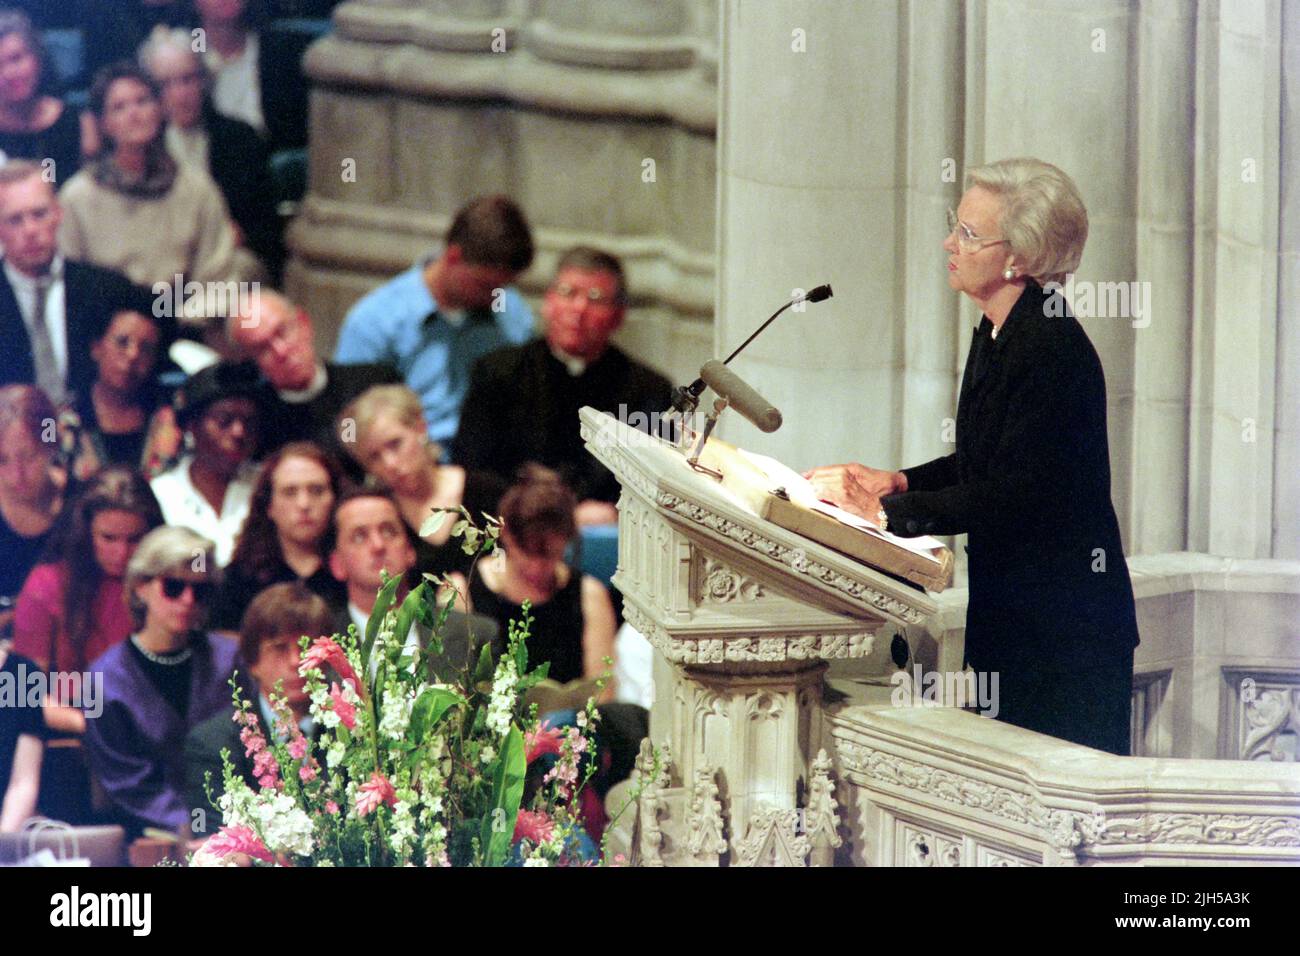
(412, 766)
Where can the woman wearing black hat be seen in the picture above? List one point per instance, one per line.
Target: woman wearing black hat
(210, 488)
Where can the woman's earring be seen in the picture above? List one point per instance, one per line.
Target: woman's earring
(1008, 274)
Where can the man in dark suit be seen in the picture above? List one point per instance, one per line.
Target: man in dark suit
(51, 309)
(277, 335)
(523, 401)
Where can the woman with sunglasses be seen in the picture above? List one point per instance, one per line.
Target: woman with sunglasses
(1050, 611)
(73, 609)
(166, 678)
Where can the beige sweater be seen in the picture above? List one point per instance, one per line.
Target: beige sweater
(187, 231)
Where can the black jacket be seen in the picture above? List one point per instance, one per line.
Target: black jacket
(284, 422)
(92, 295)
(240, 163)
(1030, 483)
(522, 405)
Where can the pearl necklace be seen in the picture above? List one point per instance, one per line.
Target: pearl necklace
(166, 660)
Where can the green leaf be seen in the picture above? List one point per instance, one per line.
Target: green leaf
(409, 612)
(432, 524)
(430, 707)
(382, 603)
(486, 666)
(498, 828)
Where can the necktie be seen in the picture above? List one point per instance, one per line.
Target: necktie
(48, 375)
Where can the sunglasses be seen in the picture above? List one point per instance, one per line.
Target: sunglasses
(173, 588)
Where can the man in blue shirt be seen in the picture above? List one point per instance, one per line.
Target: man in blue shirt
(436, 319)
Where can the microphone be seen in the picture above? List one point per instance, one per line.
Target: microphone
(685, 397)
(741, 396)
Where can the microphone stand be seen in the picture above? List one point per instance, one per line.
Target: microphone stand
(686, 398)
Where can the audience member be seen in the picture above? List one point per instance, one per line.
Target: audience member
(209, 489)
(32, 487)
(573, 617)
(233, 48)
(435, 320)
(228, 149)
(124, 419)
(134, 208)
(166, 678)
(33, 124)
(287, 536)
(268, 645)
(72, 609)
(369, 538)
(21, 747)
(392, 444)
(523, 401)
(278, 336)
(51, 309)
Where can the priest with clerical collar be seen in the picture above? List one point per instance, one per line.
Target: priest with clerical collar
(523, 401)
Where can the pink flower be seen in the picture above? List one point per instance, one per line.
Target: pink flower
(239, 839)
(266, 770)
(375, 791)
(347, 711)
(307, 772)
(331, 807)
(325, 652)
(298, 747)
(544, 740)
(533, 825)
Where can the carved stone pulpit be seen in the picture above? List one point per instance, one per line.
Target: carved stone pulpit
(743, 615)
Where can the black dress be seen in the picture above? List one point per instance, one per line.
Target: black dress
(1051, 605)
(556, 633)
(16, 721)
(18, 555)
(239, 587)
(61, 142)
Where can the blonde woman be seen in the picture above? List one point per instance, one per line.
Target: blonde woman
(1051, 605)
(392, 444)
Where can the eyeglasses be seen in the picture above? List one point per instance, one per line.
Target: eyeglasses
(591, 294)
(173, 588)
(967, 241)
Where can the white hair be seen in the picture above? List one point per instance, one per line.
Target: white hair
(1043, 217)
(164, 39)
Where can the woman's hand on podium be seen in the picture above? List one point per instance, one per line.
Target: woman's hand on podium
(856, 488)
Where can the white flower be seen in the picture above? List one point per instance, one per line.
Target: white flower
(395, 715)
(536, 860)
(335, 753)
(488, 754)
(502, 704)
(403, 835)
(283, 825)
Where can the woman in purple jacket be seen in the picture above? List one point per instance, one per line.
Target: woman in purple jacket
(168, 676)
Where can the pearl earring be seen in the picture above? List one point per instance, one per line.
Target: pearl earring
(1008, 274)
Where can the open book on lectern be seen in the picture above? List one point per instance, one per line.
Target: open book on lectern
(777, 493)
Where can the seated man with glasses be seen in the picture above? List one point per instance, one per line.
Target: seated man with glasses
(522, 405)
(166, 678)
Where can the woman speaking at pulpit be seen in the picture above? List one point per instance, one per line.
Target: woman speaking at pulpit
(1051, 605)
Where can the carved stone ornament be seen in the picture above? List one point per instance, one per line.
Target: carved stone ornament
(1273, 721)
(773, 839)
(719, 584)
(821, 817)
(650, 778)
(717, 650)
(1066, 831)
(1215, 829)
(705, 828)
(794, 558)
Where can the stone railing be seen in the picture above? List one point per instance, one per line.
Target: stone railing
(940, 787)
